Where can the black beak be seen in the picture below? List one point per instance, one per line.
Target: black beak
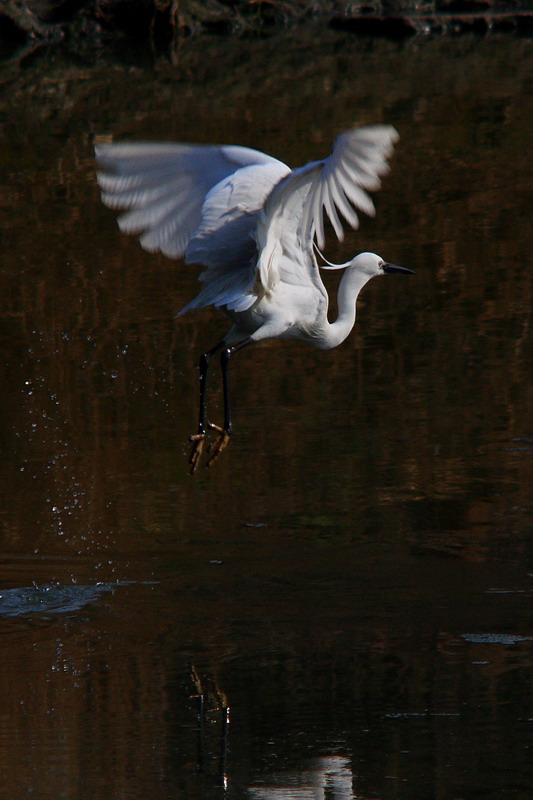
(396, 268)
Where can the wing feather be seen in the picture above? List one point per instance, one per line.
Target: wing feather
(329, 204)
(294, 212)
(358, 160)
(341, 202)
(242, 214)
(151, 180)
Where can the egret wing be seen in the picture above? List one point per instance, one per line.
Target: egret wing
(164, 186)
(242, 214)
(338, 186)
(225, 242)
(355, 166)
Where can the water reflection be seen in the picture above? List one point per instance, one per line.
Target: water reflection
(355, 580)
(328, 776)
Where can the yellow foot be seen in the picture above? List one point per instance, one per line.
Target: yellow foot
(198, 441)
(219, 445)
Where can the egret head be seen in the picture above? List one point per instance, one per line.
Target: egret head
(371, 265)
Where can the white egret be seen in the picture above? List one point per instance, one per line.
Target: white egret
(252, 222)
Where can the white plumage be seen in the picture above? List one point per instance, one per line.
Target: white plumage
(251, 221)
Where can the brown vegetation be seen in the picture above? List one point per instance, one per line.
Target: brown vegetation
(28, 24)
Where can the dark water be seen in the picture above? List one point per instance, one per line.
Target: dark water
(354, 577)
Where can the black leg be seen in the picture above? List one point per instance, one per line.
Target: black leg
(204, 366)
(225, 356)
(198, 438)
(225, 432)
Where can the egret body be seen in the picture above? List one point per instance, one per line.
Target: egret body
(254, 224)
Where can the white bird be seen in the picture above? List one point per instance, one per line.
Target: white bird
(252, 222)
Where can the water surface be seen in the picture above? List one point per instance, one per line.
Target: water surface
(353, 578)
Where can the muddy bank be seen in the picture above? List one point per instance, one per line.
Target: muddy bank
(29, 24)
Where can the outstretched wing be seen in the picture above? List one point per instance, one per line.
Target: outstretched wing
(222, 206)
(225, 242)
(358, 160)
(294, 212)
(164, 187)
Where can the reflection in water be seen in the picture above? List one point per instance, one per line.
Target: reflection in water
(496, 638)
(212, 704)
(355, 578)
(328, 777)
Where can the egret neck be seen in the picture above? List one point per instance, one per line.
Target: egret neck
(351, 284)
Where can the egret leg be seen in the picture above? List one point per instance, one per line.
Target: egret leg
(198, 438)
(225, 432)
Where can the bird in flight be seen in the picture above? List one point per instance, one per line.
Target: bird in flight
(257, 227)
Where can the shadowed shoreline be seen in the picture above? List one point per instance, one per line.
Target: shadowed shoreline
(27, 25)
